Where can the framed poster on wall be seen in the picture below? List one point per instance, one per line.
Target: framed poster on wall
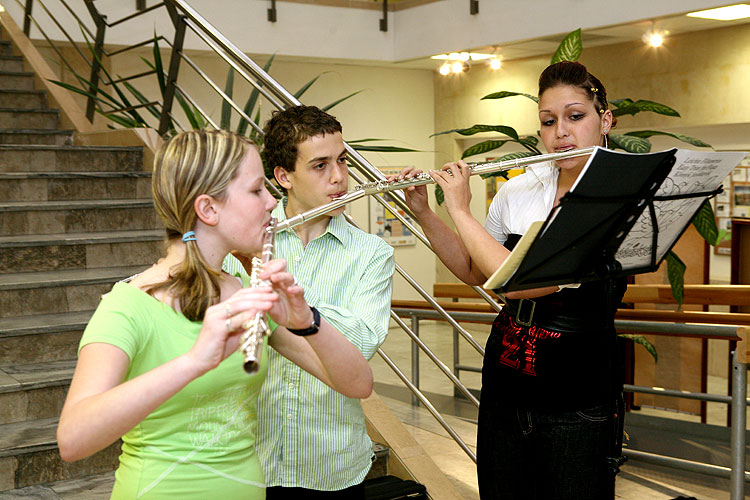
(384, 223)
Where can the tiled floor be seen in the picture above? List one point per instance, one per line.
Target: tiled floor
(637, 481)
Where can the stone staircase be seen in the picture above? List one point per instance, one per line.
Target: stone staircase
(73, 220)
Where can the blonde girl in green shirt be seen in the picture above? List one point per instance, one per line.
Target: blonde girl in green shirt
(157, 363)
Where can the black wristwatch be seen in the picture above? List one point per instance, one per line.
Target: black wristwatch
(310, 330)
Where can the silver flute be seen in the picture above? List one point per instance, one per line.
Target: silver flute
(383, 186)
(251, 342)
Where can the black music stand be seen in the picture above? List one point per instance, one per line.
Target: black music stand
(621, 218)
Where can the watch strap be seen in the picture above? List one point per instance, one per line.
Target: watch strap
(310, 330)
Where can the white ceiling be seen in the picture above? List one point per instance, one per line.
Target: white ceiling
(674, 25)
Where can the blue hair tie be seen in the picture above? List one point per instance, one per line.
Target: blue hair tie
(189, 236)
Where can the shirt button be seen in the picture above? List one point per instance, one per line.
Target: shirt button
(289, 417)
(297, 258)
(291, 385)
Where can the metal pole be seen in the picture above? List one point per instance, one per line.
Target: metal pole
(174, 67)
(27, 17)
(739, 392)
(415, 360)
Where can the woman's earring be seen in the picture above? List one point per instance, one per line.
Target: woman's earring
(606, 141)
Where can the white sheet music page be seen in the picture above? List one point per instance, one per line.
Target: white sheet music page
(693, 172)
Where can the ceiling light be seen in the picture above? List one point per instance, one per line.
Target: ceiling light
(655, 39)
(462, 56)
(457, 67)
(495, 63)
(445, 69)
(729, 13)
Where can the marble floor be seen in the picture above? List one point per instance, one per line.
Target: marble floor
(637, 480)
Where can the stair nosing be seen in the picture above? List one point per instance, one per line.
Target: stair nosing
(40, 206)
(58, 174)
(47, 438)
(67, 277)
(69, 239)
(40, 131)
(30, 110)
(65, 147)
(16, 73)
(21, 326)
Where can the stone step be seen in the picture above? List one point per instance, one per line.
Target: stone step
(41, 338)
(51, 217)
(29, 456)
(38, 118)
(51, 158)
(59, 186)
(6, 48)
(36, 136)
(58, 291)
(23, 99)
(36, 252)
(11, 63)
(95, 487)
(18, 80)
(34, 390)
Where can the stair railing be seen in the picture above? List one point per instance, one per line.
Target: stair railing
(186, 20)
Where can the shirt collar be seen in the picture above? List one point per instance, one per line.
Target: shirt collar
(546, 173)
(337, 226)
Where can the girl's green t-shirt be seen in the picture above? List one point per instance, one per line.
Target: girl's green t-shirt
(201, 442)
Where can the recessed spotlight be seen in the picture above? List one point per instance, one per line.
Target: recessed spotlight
(729, 13)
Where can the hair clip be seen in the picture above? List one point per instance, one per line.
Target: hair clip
(601, 111)
(594, 90)
(189, 236)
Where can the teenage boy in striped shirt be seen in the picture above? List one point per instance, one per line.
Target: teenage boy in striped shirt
(312, 441)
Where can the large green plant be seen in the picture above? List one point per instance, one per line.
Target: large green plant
(634, 142)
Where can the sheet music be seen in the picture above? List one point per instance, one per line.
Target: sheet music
(693, 172)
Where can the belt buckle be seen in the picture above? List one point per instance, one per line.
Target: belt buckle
(526, 322)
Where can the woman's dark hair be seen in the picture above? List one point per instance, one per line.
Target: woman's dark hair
(575, 74)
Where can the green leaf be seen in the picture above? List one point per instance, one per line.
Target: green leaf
(503, 129)
(629, 143)
(482, 147)
(251, 101)
(569, 49)
(619, 103)
(226, 108)
(684, 138)
(193, 115)
(676, 274)
(143, 100)
(159, 67)
(640, 339)
(705, 222)
(505, 93)
(309, 84)
(636, 107)
(439, 195)
(339, 101)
